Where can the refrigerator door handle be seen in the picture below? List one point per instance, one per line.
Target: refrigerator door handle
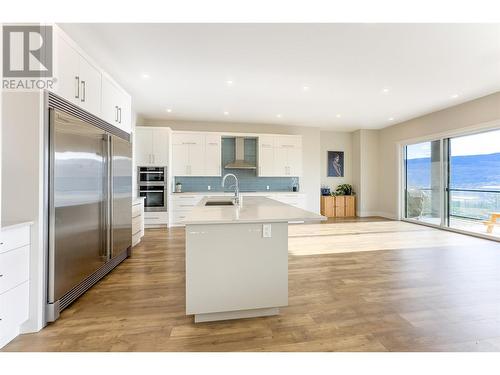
(109, 224)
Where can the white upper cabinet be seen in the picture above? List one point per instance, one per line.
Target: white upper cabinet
(67, 62)
(87, 86)
(116, 105)
(78, 81)
(160, 146)
(213, 155)
(143, 140)
(151, 146)
(266, 156)
(280, 156)
(90, 87)
(196, 154)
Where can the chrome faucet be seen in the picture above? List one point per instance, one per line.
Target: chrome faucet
(236, 187)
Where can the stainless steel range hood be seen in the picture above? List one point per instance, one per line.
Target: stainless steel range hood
(239, 157)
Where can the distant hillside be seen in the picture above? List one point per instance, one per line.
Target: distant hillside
(468, 172)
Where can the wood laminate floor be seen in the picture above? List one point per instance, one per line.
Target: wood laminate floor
(409, 288)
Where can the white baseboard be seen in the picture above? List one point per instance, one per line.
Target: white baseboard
(386, 215)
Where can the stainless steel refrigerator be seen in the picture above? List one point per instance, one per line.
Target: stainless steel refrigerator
(90, 202)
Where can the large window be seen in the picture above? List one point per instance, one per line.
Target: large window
(454, 182)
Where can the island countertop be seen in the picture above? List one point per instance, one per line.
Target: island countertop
(254, 209)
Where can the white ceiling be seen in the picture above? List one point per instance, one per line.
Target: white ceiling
(345, 66)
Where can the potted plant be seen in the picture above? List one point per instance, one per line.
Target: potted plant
(344, 189)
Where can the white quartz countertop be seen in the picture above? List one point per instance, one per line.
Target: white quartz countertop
(8, 225)
(252, 210)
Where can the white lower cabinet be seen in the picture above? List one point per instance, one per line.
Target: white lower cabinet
(137, 221)
(155, 219)
(14, 280)
(182, 204)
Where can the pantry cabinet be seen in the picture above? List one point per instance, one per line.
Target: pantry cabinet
(151, 146)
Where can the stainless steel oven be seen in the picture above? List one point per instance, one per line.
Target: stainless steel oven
(152, 183)
(152, 174)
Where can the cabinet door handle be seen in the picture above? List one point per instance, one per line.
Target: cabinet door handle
(83, 91)
(120, 112)
(77, 87)
(153, 158)
(116, 120)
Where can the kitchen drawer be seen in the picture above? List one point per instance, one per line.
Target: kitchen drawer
(14, 268)
(14, 238)
(186, 202)
(136, 238)
(137, 210)
(155, 218)
(14, 308)
(136, 224)
(180, 216)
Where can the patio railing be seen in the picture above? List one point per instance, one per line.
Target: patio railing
(470, 204)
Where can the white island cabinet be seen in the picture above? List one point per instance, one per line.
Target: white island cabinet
(237, 257)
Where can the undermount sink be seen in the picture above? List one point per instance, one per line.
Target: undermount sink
(219, 203)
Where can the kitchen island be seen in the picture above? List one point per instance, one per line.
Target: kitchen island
(237, 257)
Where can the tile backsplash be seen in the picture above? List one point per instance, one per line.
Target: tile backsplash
(248, 179)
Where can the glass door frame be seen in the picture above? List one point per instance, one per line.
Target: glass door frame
(442, 180)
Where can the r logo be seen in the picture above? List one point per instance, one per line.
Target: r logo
(27, 51)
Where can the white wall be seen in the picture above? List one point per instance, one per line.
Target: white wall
(309, 182)
(336, 141)
(22, 193)
(482, 113)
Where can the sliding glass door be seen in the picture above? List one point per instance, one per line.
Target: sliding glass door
(474, 180)
(423, 193)
(454, 182)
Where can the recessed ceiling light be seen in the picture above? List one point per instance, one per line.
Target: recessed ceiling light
(454, 96)
(338, 115)
(145, 75)
(385, 90)
(391, 118)
(305, 88)
(229, 83)
(226, 113)
(279, 115)
(169, 110)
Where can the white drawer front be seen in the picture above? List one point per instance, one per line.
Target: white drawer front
(136, 224)
(14, 309)
(180, 216)
(155, 218)
(136, 238)
(14, 268)
(186, 202)
(13, 238)
(137, 210)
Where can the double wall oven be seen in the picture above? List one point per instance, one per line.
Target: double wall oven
(152, 182)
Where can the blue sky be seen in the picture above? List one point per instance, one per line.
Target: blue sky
(477, 144)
